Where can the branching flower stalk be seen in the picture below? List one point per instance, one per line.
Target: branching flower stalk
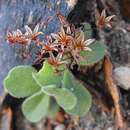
(64, 42)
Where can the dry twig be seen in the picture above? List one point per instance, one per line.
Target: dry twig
(114, 92)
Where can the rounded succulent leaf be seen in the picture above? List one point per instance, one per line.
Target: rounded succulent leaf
(47, 76)
(53, 108)
(65, 98)
(94, 56)
(83, 96)
(87, 30)
(20, 83)
(36, 107)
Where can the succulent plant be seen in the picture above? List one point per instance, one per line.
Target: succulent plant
(54, 85)
(39, 90)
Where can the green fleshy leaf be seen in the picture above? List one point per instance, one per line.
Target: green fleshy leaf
(94, 56)
(47, 76)
(65, 98)
(53, 108)
(36, 107)
(87, 30)
(83, 96)
(20, 83)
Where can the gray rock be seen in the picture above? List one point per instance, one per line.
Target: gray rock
(60, 127)
(122, 77)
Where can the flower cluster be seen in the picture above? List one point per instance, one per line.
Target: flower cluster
(17, 37)
(63, 47)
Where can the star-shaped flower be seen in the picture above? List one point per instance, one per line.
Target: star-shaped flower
(62, 37)
(56, 61)
(81, 44)
(103, 20)
(49, 46)
(32, 34)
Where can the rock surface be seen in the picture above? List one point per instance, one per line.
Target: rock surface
(15, 15)
(122, 77)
